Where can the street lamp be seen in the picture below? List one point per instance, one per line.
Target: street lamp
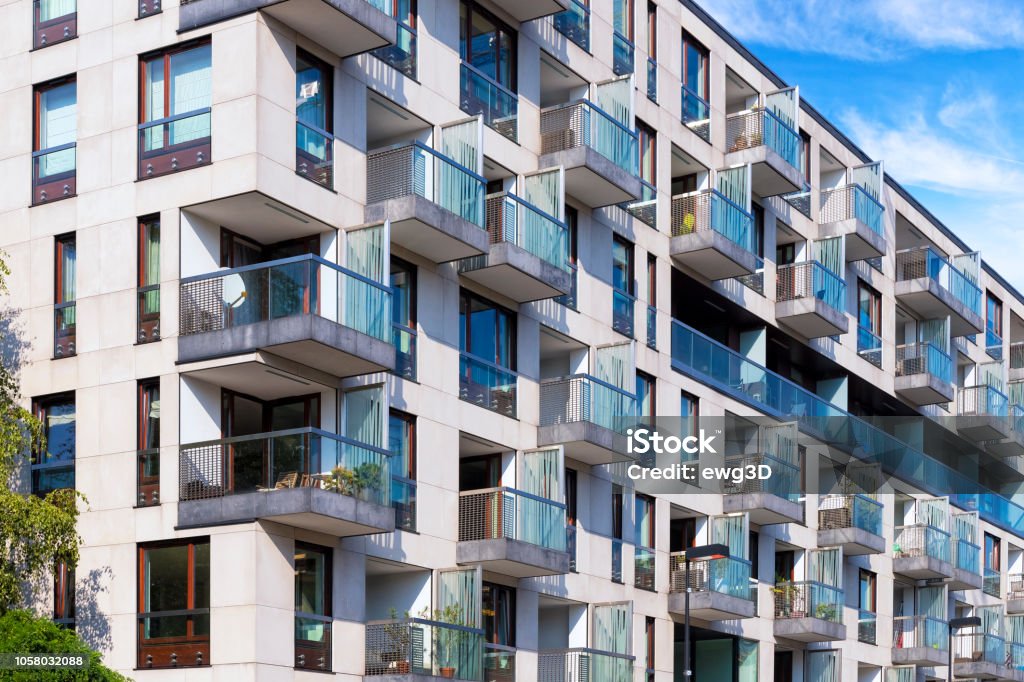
(715, 551)
(956, 624)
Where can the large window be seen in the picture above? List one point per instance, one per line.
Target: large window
(869, 308)
(867, 604)
(402, 55)
(571, 222)
(53, 21)
(64, 296)
(644, 533)
(992, 558)
(313, 578)
(696, 84)
(649, 646)
(689, 413)
(499, 613)
(622, 37)
(648, 152)
(149, 280)
(54, 467)
(622, 286)
(314, 118)
(994, 326)
(64, 594)
(148, 447)
(487, 44)
(402, 441)
(618, 510)
(174, 604)
(55, 132)
(174, 110)
(652, 51)
(645, 397)
(403, 317)
(487, 331)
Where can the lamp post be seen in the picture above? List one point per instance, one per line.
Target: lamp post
(715, 551)
(956, 624)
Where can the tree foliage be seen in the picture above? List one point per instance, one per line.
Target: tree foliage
(22, 632)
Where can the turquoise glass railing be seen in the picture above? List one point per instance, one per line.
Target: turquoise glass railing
(922, 540)
(404, 340)
(967, 556)
(810, 279)
(869, 346)
(993, 345)
(516, 221)
(923, 261)
(622, 312)
(923, 358)
(497, 513)
(756, 127)
(574, 23)
(403, 500)
(582, 123)
(644, 564)
(852, 202)
(402, 55)
(712, 210)
(974, 646)
(301, 285)
(583, 398)
(850, 511)
(910, 632)
(314, 151)
(622, 55)
(982, 401)
(488, 385)
(991, 582)
(482, 95)
(729, 576)
(696, 113)
(809, 599)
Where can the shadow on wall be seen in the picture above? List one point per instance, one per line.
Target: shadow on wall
(14, 345)
(91, 624)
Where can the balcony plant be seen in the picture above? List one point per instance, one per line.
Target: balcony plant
(399, 636)
(448, 641)
(825, 611)
(353, 482)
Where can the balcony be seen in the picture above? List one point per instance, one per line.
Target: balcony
(922, 552)
(712, 235)
(852, 213)
(1017, 361)
(479, 94)
(512, 532)
(920, 640)
(773, 149)
(532, 9)
(1015, 593)
(924, 374)
(599, 153)
(696, 114)
(982, 413)
(54, 173)
(720, 589)
(810, 299)
(487, 385)
(1013, 445)
(529, 254)
(586, 415)
(982, 657)
(966, 566)
(303, 308)
(436, 205)
(52, 23)
(768, 501)
(305, 478)
(423, 650)
(933, 288)
(853, 522)
(345, 27)
(809, 612)
(574, 23)
(579, 664)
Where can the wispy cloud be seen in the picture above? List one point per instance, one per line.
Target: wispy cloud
(873, 30)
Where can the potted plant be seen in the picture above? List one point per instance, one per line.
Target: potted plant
(448, 640)
(825, 611)
(399, 639)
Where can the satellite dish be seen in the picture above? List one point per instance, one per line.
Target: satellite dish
(233, 291)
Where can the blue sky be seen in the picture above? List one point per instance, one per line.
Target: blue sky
(934, 88)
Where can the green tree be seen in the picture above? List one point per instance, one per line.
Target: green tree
(23, 632)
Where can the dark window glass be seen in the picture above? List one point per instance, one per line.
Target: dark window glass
(55, 468)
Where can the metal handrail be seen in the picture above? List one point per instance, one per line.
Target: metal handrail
(175, 117)
(513, 491)
(593, 107)
(316, 129)
(431, 151)
(287, 432)
(54, 150)
(287, 261)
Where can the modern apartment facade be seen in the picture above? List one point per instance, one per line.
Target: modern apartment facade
(366, 288)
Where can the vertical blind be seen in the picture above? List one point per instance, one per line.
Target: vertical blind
(826, 566)
(869, 177)
(366, 414)
(368, 253)
(734, 184)
(732, 530)
(58, 122)
(823, 666)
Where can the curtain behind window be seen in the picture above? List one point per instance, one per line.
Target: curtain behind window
(368, 308)
(54, 9)
(57, 126)
(190, 91)
(822, 666)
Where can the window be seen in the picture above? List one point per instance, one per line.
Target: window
(55, 468)
(487, 44)
(753, 540)
(64, 594)
(757, 210)
(571, 496)
(402, 440)
(689, 413)
(645, 396)
(499, 612)
(785, 563)
(652, 301)
(993, 563)
(785, 254)
(618, 502)
(643, 538)
(149, 280)
(149, 443)
(314, 119)
(647, 138)
(313, 578)
(571, 221)
(622, 38)
(652, 51)
(869, 307)
(696, 83)
(174, 110)
(622, 285)
(649, 646)
(174, 604)
(402, 55)
(53, 21)
(994, 326)
(403, 317)
(487, 331)
(992, 557)
(783, 665)
(867, 598)
(805, 156)
(64, 296)
(54, 135)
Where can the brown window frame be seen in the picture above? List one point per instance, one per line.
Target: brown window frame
(64, 594)
(63, 28)
(706, 57)
(148, 482)
(148, 322)
(61, 185)
(314, 650)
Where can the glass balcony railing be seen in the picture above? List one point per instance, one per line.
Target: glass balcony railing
(967, 556)
(652, 80)
(729, 576)
(174, 143)
(696, 113)
(976, 401)
(578, 665)
(574, 23)
(569, 300)
(314, 154)
(623, 305)
(993, 345)
(808, 599)
(924, 262)
(295, 458)
(487, 385)
(419, 646)
(810, 279)
(977, 646)
(65, 326)
(622, 55)
(1015, 655)
(992, 582)
(583, 398)
(644, 563)
(652, 327)
(313, 641)
(516, 221)
(800, 200)
(1017, 355)
(923, 358)
(922, 540)
(852, 201)
(148, 314)
(911, 632)
(417, 170)
(617, 551)
(719, 366)
(301, 285)
(147, 477)
(784, 481)
(404, 340)
(760, 126)
(506, 513)
(499, 663)
(867, 626)
(402, 55)
(644, 209)
(54, 173)
(711, 210)
(850, 511)
(403, 500)
(583, 124)
(869, 346)
(482, 95)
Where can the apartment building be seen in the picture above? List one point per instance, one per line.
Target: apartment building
(367, 289)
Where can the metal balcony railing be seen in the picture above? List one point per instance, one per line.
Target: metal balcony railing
(992, 582)
(867, 626)
(583, 124)
(174, 143)
(922, 540)
(516, 221)
(54, 173)
(419, 646)
(147, 477)
(978, 646)
(810, 279)
(482, 95)
(574, 23)
(487, 385)
(304, 457)
(1017, 355)
(301, 285)
(583, 398)
(712, 210)
(314, 154)
(313, 641)
(622, 55)
(784, 481)
(982, 401)
(584, 665)
(729, 576)
(506, 513)
(808, 599)
(417, 170)
(760, 126)
(967, 556)
(696, 113)
(623, 309)
(852, 201)
(923, 261)
(923, 358)
(644, 209)
(850, 511)
(644, 567)
(869, 346)
(910, 632)
(1015, 586)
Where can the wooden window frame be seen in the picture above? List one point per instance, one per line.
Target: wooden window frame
(466, 29)
(706, 58)
(306, 650)
(148, 485)
(148, 324)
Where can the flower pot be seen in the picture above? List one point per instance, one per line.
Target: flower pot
(402, 667)
(448, 672)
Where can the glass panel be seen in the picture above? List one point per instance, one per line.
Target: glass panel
(310, 582)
